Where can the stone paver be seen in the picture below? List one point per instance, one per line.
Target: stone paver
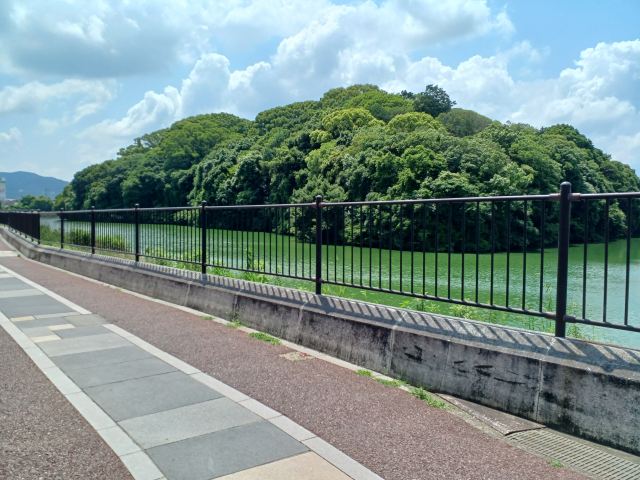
(185, 422)
(307, 466)
(227, 451)
(117, 372)
(110, 356)
(68, 346)
(133, 398)
(82, 331)
(36, 305)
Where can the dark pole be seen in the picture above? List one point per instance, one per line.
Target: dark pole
(61, 228)
(137, 232)
(319, 245)
(93, 229)
(38, 225)
(563, 258)
(203, 233)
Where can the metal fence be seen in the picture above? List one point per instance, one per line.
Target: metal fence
(566, 257)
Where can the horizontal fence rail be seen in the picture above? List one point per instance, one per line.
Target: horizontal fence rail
(566, 257)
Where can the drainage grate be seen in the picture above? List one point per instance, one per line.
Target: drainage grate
(597, 462)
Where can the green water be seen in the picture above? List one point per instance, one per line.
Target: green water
(434, 274)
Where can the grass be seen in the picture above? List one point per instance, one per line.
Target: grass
(207, 317)
(428, 398)
(235, 324)
(555, 463)
(265, 337)
(390, 382)
(418, 392)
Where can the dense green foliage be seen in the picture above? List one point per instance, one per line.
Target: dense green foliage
(354, 143)
(31, 202)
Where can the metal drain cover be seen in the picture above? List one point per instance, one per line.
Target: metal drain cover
(595, 461)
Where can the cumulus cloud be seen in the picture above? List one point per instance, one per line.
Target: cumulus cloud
(338, 45)
(321, 45)
(91, 39)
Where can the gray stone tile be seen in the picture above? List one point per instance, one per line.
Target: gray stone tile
(37, 332)
(85, 320)
(12, 283)
(133, 398)
(17, 307)
(186, 422)
(28, 292)
(224, 452)
(68, 346)
(82, 331)
(43, 322)
(117, 372)
(100, 357)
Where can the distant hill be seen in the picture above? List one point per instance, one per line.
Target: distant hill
(20, 184)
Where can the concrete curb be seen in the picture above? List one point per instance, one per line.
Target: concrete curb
(582, 388)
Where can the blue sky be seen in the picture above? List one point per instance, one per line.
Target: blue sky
(79, 80)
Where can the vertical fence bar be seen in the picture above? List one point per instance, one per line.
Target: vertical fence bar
(37, 224)
(61, 229)
(563, 258)
(136, 216)
(93, 230)
(318, 245)
(203, 237)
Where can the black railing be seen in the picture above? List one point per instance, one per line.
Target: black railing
(565, 257)
(26, 223)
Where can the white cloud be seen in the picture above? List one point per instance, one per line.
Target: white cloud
(338, 45)
(323, 45)
(13, 135)
(90, 96)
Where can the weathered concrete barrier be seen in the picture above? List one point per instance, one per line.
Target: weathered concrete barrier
(582, 388)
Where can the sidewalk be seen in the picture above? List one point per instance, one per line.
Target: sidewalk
(388, 431)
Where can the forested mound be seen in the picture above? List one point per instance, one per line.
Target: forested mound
(354, 143)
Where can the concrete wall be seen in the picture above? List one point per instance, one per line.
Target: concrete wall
(585, 389)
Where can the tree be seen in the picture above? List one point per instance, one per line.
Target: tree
(462, 123)
(356, 143)
(434, 101)
(31, 202)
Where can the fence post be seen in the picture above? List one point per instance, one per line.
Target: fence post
(37, 229)
(93, 229)
(563, 258)
(61, 228)
(203, 233)
(137, 232)
(319, 245)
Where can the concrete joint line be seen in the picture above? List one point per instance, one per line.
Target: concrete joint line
(536, 405)
(185, 302)
(301, 311)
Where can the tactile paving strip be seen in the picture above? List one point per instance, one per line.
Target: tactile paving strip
(595, 462)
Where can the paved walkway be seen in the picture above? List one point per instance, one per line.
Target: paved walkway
(161, 416)
(165, 418)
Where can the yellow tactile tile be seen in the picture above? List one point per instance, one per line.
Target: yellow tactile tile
(45, 338)
(307, 466)
(64, 326)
